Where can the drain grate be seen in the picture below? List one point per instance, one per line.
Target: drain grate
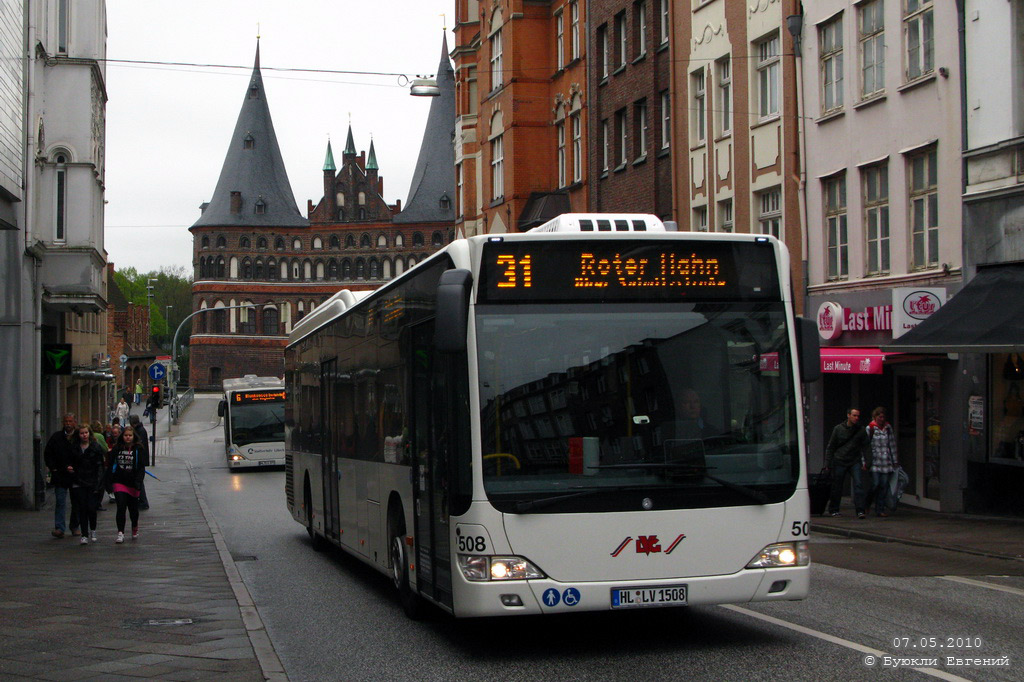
(158, 622)
(243, 557)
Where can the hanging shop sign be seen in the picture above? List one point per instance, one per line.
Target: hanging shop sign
(912, 305)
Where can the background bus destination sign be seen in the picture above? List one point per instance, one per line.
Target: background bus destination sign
(258, 397)
(690, 270)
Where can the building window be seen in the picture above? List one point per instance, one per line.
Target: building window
(246, 269)
(724, 104)
(700, 219)
(258, 270)
(664, 23)
(497, 168)
(640, 129)
(577, 147)
(924, 208)
(620, 39)
(700, 113)
(271, 321)
(769, 217)
(261, 206)
(605, 145)
(872, 48)
(620, 132)
(249, 142)
(725, 215)
(830, 50)
(261, 243)
(279, 244)
(560, 132)
(459, 196)
(365, 242)
(399, 240)
(496, 75)
(296, 244)
(247, 320)
(640, 26)
(768, 77)
(222, 242)
(666, 119)
(602, 48)
(350, 242)
(205, 242)
(60, 200)
(837, 244)
(876, 218)
(574, 30)
(919, 32)
(559, 40)
(63, 9)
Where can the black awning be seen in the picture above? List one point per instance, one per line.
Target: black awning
(542, 207)
(986, 316)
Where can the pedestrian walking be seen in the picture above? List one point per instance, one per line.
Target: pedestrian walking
(843, 457)
(127, 474)
(881, 457)
(57, 457)
(86, 470)
(143, 438)
(122, 411)
(138, 392)
(101, 440)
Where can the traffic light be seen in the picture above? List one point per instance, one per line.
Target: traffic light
(157, 397)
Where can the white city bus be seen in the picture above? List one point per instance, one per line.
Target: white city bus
(597, 414)
(253, 412)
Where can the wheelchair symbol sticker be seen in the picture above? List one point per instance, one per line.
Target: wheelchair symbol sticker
(571, 596)
(551, 597)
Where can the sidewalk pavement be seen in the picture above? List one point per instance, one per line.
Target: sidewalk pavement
(168, 606)
(997, 537)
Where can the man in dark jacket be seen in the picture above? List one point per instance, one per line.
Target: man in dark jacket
(57, 456)
(843, 455)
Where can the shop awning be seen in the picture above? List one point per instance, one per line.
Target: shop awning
(986, 316)
(837, 360)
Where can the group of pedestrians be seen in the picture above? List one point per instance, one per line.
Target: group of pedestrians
(856, 451)
(88, 462)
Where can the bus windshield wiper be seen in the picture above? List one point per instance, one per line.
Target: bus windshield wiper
(755, 495)
(526, 505)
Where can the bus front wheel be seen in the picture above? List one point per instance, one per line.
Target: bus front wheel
(411, 603)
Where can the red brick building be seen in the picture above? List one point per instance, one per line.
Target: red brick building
(521, 100)
(127, 334)
(631, 112)
(260, 266)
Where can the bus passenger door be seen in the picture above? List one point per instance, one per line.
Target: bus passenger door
(430, 396)
(329, 449)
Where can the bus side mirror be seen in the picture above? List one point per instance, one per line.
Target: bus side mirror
(222, 407)
(452, 311)
(808, 350)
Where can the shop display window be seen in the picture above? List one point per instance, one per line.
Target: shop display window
(1007, 408)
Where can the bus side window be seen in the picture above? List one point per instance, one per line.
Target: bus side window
(222, 408)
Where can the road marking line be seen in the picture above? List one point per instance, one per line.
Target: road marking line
(982, 583)
(934, 672)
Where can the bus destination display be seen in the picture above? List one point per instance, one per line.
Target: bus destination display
(609, 270)
(246, 397)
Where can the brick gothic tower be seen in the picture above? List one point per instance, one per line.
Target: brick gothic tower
(253, 248)
(252, 212)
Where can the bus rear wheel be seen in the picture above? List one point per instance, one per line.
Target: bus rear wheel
(411, 602)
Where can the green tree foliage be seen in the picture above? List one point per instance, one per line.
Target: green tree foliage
(171, 286)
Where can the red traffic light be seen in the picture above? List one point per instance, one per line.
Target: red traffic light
(156, 390)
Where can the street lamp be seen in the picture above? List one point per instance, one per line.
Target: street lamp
(149, 303)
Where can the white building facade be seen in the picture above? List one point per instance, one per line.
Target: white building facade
(53, 265)
(881, 84)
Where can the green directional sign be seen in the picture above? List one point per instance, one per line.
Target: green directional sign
(56, 358)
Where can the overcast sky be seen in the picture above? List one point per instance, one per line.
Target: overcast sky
(168, 127)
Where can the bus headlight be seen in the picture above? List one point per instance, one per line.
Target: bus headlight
(479, 568)
(781, 555)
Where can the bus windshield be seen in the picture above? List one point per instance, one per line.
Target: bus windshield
(257, 423)
(609, 407)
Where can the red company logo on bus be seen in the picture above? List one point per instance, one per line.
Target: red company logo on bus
(648, 544)
(921, 304)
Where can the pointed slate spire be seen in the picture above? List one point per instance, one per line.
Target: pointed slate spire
(253, 173)
(371, 161)
(350, 146)
(329, 160)
(433, 181)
